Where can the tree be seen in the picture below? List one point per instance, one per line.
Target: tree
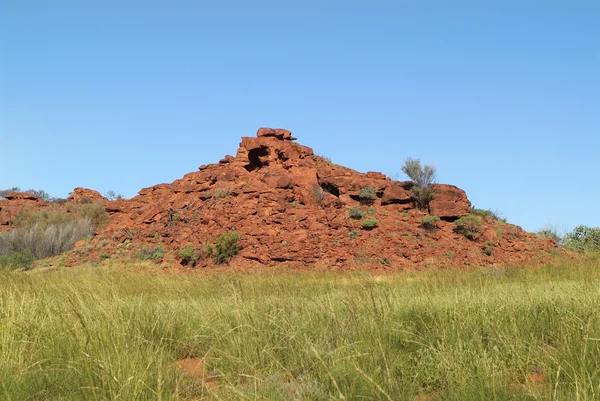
(423, 177)
(111, 196)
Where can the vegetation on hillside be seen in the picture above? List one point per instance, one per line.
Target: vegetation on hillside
(41, 233)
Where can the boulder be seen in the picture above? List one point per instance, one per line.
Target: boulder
(279, 133)
(84, 195)
(397, 192)
(449, 202)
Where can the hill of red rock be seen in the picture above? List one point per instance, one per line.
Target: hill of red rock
(289, 205)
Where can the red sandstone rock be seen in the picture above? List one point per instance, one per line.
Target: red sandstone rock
(16, 196)
(15, 202)
(449, 202)
(278, 133)
(84, 195)
(398, 192)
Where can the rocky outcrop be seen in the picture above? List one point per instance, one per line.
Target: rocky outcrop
(15, 202)
(84, 195)
(292, 206)
(449, 202)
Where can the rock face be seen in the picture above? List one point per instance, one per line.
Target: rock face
(449, 202)
(291, 206)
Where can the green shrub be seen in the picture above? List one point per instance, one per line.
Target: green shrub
(430, 223)
(188, 255)
(449, 254)
(488, 213)
(353, 234)
(356, 213)
(226, 246)
(95, 211)
(370, 224)
(371, 211)
(468, 226)
(583, 239)
(17, 260)
(550, 233)
(158, 253)
(423, 177)
(367, 195)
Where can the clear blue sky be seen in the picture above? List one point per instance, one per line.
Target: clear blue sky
(504, 97)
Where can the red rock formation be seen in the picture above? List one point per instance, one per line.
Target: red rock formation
(13, 203)
(449, 202)
(292, 206)
(84, 195)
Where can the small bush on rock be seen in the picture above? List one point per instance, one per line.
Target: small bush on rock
(370, 224)
(188, 255)
(468, 226)
(423, 177)
(488, 213)
(430, 223)
(356, 213)
(353, 234)
(367, 195)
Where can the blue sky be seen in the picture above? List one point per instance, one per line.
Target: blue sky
(503, 97)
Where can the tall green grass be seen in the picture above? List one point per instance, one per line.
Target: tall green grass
(493, 334)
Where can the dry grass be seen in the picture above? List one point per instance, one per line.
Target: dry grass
(107, 333)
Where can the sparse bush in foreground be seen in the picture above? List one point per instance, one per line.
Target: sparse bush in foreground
(367, 195)
(468, 226)
(430, 223)
(17, 260)
(423, 177)
(155, 253)
(226, 246)
(188, 255)
(45, 240)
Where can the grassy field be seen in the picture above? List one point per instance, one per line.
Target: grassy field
(493, 334)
